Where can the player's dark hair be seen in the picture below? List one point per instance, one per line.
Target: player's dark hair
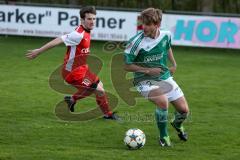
(151, 16)
(87, 9)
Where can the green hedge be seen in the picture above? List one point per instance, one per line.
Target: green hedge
(220, 6)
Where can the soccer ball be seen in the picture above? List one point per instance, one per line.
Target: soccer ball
(134, 138)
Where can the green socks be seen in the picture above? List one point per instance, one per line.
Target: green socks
(161, 119)
(179, 118)
(161, 116)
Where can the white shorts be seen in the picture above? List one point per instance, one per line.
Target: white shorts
(169, 87)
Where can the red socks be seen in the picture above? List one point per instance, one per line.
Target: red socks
(103, 104)
(101, 100)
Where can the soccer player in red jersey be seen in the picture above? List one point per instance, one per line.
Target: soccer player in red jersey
(75, 70)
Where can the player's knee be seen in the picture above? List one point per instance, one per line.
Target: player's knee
(187, 111)
(184, 110)
(161, 103)
(183, 106)
(100, 91)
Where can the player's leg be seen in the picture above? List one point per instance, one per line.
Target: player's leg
(153, 93)
(177, 99)
(181, 113)
(83, 84)
(161, 114)
(102, 101)
(83, 91)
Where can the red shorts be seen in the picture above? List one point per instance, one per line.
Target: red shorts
(81, 77)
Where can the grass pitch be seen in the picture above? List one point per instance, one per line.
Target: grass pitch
(209, 78)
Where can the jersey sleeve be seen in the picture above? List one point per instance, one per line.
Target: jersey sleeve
(169, 43)
(132, 49)
(129, 56)
(73, 38)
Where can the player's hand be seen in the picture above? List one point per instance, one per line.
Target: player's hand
(154, 71)
(31, 54)
(172, 69)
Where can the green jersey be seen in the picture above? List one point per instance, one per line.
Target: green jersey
(149, 53)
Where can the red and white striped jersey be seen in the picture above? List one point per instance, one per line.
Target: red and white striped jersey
(78, 44)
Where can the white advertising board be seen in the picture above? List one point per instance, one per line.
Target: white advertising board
(187, 30)
(53, 22)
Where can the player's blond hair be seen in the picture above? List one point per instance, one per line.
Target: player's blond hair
(151, 16)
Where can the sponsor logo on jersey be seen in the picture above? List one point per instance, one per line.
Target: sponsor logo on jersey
(153, 58)
(85, 50)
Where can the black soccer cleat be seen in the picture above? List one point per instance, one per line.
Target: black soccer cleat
(113, 116)
(181, 134)
(70, 102)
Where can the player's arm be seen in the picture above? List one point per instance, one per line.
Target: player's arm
(31, 54)
(173, 65)
(137, 68)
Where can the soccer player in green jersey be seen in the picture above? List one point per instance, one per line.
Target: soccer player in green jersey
(147, 54)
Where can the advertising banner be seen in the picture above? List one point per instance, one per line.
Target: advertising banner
(187, 30)
(53, 22)
(203, 31)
